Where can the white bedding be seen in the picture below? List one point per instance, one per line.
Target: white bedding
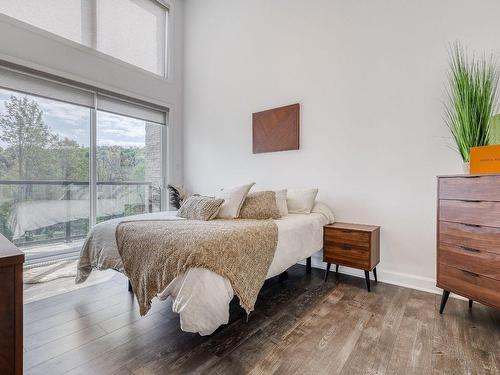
(201, 297)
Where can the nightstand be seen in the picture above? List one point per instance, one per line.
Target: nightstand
(352, 245)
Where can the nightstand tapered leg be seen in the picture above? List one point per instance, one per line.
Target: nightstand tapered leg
(375, 274)
(470, 303)
(336, 270)
(327, 271)
(367, 278)
(308, 265)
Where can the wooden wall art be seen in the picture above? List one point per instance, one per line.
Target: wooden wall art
(276, 129)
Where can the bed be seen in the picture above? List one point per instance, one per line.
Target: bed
(200, 296)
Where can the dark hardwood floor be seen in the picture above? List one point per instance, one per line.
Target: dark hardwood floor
(300, 326)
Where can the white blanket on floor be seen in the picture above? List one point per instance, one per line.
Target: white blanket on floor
(202, 297)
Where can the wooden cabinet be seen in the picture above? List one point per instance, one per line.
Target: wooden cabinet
(468, 238)
(352, 245)
(11, 308)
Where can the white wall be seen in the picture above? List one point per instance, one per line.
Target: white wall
(34, 48)
(370, 77)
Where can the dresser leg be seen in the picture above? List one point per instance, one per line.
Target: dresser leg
(327, 271)
(470, 303)
(375, 274)
(367, 278)
(444, 299)
(336, 270)
(130, 287)
(308, 265)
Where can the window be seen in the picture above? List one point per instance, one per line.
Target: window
(128, 165)
(51, 137)
(134, 31)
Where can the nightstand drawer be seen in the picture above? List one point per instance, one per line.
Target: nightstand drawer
(346, 255)
(346, 236)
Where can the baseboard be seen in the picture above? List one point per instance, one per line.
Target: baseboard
(425, 284)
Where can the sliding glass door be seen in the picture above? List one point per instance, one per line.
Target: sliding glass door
(129, 166)
(44, 172)
(71, 158)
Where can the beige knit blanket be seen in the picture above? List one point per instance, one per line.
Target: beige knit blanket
(155, 252)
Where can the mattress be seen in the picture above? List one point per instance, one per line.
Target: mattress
(201, 297)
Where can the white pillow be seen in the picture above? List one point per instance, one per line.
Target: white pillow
(322, 208)
(233, 200)
(301, 201)
(281, 202)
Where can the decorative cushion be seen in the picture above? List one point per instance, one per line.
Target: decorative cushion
(260, 205)
(322, 208)
(281, 202)
(233, 199)
(198, 207)
(301, 201)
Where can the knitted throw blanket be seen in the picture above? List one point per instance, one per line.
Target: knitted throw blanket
(156, 252)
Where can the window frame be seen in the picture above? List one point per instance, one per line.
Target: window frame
(24, 79)
(91, 50)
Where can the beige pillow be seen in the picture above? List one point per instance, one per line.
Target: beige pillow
(301, 201)
(198, 207)
(260, 205)
(281, 202)
(233, 199)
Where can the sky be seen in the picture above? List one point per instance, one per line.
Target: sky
(73, 122)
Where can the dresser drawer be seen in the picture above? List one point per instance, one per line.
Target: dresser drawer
(464, 258)
(346, 236)
(468, 212)
(484, 188)
(473, 286)
(346, 255)
(476, 237)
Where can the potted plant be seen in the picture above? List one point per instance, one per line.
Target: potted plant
(472, 100)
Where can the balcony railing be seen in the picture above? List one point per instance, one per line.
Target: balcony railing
(61, 207)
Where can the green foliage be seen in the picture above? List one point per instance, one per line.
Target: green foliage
(472, 99)
(495, 130)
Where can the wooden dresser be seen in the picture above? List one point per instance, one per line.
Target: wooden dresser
(352, 245)
(11, 308)
(468, 238)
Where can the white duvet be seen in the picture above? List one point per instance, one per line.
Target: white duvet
(201, 297)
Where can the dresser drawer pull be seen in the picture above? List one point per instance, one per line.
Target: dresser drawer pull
(472, 225)
(470, 249)
(470, 273)
(470, 200)
(346, 247)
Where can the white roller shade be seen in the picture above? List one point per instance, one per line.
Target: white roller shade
(28, 84)
(126, 108)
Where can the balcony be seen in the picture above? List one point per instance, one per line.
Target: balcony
(49, 219)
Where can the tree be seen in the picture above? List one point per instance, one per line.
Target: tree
(23, 129)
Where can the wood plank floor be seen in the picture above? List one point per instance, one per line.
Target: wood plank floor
(300, 326)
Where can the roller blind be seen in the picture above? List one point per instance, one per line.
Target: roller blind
(29, 84)
(120, 107)
(134, 31)
(64, 18)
